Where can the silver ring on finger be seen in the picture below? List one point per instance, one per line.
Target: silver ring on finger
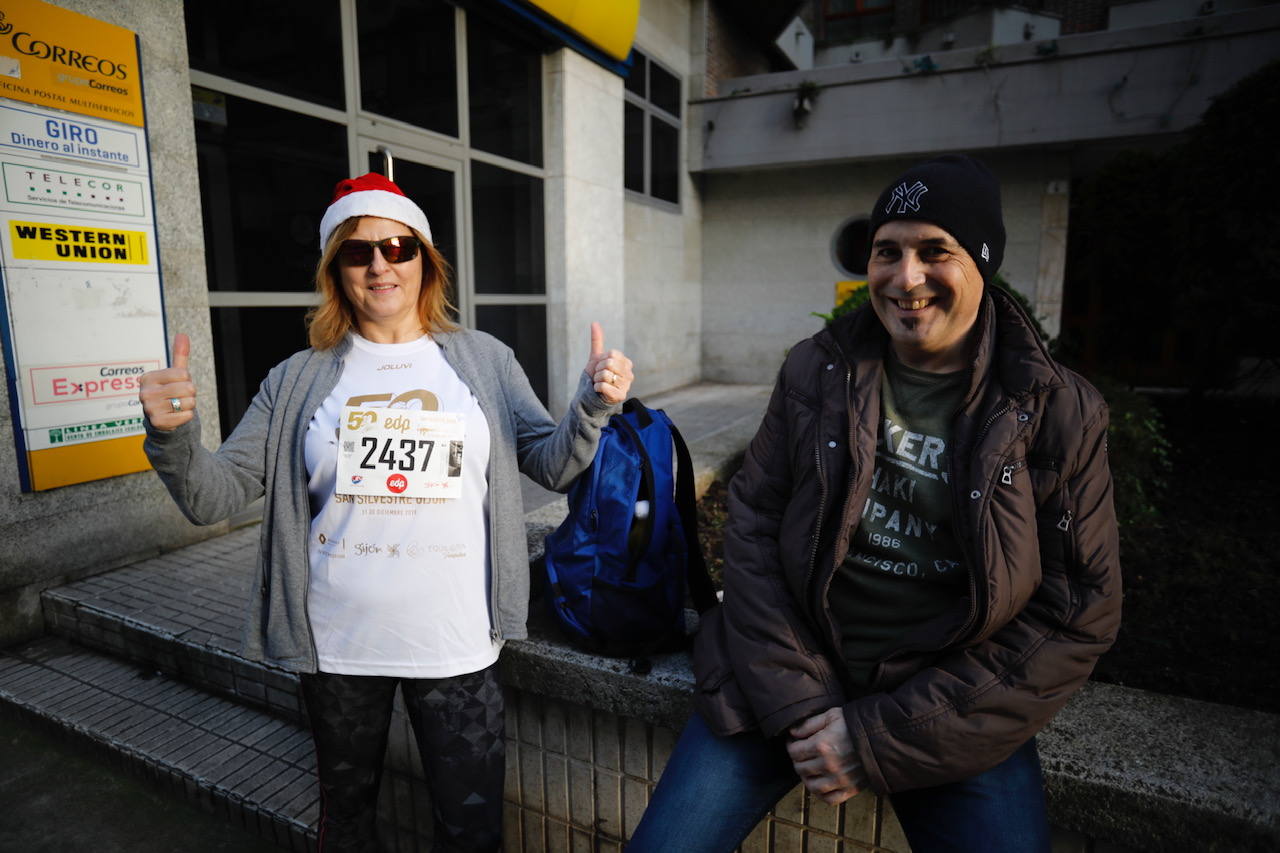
(176, 404)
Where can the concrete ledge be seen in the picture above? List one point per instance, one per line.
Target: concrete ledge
(1164, 773)
(1149, 771)
(546, 665)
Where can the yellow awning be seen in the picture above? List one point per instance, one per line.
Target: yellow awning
(608, 24)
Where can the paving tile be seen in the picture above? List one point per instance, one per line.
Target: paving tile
(261, 730)
(285, 788)
(109, 717)
(531, 780)
(146, 720)
(226, 768)
(635, 748)
(192, 755)
(302, 751)
(237, 724)
(39, 686)
(153, 741)
(250, 774)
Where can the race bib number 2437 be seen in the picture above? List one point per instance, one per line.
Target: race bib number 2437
(400, 452)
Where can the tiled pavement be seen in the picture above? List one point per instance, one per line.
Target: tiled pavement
(181, 613)
(165, 695)
(141, 662)
(255, 769)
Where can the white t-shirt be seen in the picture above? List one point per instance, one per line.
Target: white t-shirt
(399, 585)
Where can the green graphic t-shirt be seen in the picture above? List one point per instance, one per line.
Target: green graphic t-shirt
(904, 565)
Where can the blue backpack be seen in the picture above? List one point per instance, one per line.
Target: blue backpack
(618, 566)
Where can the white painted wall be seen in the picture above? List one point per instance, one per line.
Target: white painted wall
(767, 260)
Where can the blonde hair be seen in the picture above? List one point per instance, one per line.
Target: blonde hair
(329, 322)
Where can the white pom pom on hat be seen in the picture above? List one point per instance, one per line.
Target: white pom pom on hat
(371, 195)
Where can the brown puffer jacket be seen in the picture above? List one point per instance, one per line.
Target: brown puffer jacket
(1032, 512)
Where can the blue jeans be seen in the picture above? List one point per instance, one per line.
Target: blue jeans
(716, 789)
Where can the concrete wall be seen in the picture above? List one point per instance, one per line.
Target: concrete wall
(983, 28)
(767, 260)
(49, 537)
(584, 216)
(1147, 12)
(1079, 89)
(663, 242)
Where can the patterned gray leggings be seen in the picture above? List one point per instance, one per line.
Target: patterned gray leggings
(458, 723)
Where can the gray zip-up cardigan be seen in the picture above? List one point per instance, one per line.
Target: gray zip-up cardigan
(264, 455)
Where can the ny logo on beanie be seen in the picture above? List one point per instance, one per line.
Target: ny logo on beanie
(906, 197)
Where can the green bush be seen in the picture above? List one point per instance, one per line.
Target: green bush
(855, 300)
(1139, 454)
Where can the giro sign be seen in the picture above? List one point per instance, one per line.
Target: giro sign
(81, 314)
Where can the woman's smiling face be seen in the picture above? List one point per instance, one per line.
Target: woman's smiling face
(926, 290)
(383, 295)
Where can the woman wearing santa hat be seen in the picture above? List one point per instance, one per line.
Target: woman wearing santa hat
(393, 543)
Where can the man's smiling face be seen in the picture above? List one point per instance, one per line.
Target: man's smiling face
(926, 290)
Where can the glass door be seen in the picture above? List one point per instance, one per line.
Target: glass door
(432, 182)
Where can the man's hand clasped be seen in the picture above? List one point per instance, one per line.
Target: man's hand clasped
(610, 371)
(169, 396)
(822, 752)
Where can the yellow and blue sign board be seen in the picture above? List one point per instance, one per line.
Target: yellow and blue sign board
(81, 310)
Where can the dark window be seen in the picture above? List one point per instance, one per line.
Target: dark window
(652, 116)
(524, 329)
(248, 342)
(664, 160)
(849, 247)
(664, 90)
(504, 82)
(633, 147)
(507, 222)
(293, 47)
(266, 176)
(845, 21)
(408, 62)
(432, 190)
(638, 80)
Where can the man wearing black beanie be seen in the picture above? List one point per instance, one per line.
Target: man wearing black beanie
(921, 563)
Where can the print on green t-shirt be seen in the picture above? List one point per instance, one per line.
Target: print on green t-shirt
(904, 565)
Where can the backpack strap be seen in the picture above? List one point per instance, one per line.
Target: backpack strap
(646, 477)
(701, 589)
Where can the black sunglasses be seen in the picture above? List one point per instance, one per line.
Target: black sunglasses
(396, 250)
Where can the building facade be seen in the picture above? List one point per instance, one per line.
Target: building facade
(701, 200)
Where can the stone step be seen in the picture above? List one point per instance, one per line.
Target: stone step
(251, 767)
(182, 614)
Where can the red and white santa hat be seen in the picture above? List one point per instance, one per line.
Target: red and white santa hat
(371, 195)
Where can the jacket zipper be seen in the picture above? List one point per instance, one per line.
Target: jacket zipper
(495, 635)
(974, 568)
(1006, 474)
(306, 589)
(822, 502)
(995, 416)
(844, 526)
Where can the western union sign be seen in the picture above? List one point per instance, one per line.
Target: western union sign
(37, 241)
